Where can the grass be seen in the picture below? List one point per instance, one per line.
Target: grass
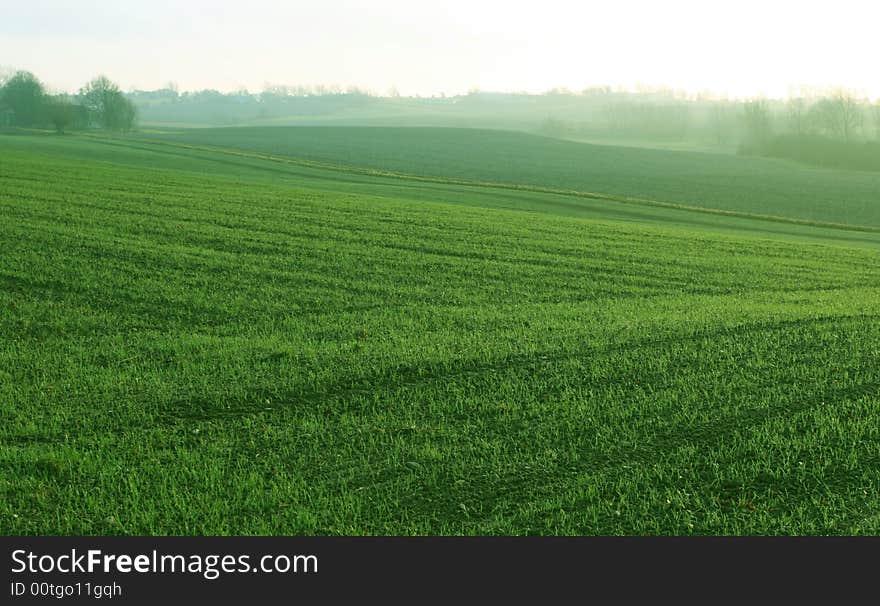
(195, 343)
(715, 181)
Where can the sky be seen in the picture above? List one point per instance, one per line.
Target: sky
(739, 49)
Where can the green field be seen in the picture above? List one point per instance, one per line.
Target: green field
(720, 181)
(243, 341)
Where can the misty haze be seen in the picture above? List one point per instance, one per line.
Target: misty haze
(470, 268)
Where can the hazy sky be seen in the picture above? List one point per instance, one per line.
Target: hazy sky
(740, 47)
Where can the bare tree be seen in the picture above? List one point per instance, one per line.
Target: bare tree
(720, 122)
(796, 113)
(758, 121)
(851, 116)
(839, 114)
(107, 105)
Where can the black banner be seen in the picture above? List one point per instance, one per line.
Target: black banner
(150, 570)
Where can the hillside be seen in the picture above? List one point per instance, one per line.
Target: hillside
(744, 184)
(202, 343)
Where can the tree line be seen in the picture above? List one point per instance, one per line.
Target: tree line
(836, 114)
(659, 115)
(831, 127)
(25, 103)
(839, 115)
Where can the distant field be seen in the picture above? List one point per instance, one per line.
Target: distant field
(747, 184)
(201, 343)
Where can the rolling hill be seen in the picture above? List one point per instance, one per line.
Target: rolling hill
(710, 180)
(251, 340)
